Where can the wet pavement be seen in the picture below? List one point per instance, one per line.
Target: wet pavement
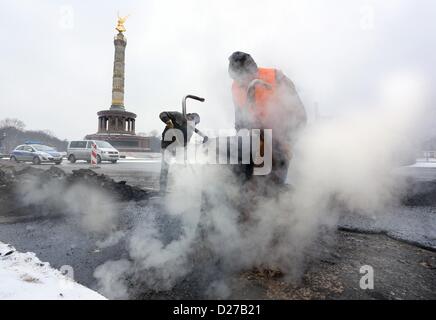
(143, 173)
(414, 225)
(404, 269)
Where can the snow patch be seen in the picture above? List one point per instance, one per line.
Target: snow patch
(424, 164)
(24, 277)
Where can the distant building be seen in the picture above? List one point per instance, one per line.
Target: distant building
(116, 125)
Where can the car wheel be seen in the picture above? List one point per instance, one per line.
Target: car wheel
(36, 160)
(98, 159)
(13, 158)
(72, 158)
(114, 161)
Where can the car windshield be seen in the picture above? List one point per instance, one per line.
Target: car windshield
(103, 144)
(43, 148)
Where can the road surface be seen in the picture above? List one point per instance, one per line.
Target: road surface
(143, 173)
(403, 270)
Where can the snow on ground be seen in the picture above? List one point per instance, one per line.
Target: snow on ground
(422, 163)
(24, 276)
(140, 157)
(139, 160)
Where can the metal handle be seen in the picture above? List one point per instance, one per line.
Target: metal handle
(189, 96)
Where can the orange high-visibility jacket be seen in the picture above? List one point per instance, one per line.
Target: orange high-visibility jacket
(263, 96)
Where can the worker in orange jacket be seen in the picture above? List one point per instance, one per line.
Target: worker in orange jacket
(265, 98)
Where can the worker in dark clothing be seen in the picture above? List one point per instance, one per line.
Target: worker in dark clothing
(176, 120)
(186, 125)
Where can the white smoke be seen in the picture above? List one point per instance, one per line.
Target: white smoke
(340, 165)
(93, 208)
(112, 275)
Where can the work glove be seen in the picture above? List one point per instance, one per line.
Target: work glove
(169, 124)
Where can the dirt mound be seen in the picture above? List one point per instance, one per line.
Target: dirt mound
(16, 177)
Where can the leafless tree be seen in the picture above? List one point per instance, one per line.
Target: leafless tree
(12, 123)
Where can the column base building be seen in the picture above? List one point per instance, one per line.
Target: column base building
(118, 128)
(116, 125)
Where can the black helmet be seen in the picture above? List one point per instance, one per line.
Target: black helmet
(241, 65)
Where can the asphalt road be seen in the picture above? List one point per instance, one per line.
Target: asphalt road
(143, 173)
(61, 241)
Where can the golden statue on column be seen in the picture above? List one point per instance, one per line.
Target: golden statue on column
(120, 24)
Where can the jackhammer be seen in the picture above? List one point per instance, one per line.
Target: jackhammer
(185, 124)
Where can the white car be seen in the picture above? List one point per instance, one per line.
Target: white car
(81, 150)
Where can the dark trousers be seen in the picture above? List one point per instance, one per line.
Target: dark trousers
(164, 169)
(279, 166)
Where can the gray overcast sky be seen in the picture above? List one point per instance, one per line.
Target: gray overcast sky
(57, 55)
